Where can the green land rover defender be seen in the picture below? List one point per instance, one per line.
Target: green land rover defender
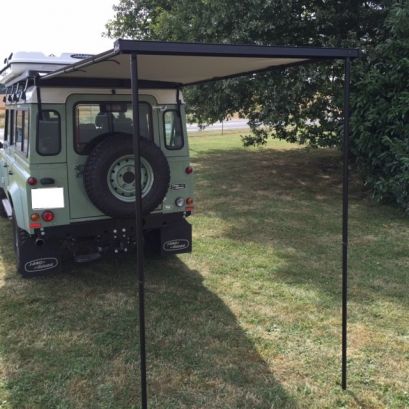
(67, 178)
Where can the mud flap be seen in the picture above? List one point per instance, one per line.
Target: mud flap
(176, 238)
(38, 260)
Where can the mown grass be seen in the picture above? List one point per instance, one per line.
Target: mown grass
(250, 320)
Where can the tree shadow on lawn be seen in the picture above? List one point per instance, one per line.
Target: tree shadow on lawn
(291, 201)
(71, 340)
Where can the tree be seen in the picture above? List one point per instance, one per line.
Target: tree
(381, 114)
(300, 104)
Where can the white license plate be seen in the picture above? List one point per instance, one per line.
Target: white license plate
(47, 198)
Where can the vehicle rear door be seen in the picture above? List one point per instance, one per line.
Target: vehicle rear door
(88, 122)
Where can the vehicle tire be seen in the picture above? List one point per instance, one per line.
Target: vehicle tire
(19, 238)
(3, 195)
(109, 177)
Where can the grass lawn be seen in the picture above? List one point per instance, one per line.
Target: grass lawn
(249, 320)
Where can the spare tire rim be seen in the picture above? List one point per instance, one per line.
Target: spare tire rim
(121, 178)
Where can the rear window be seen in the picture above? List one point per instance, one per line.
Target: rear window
(173, 132)
(95, 119)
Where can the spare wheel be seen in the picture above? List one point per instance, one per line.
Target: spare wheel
(109, 176)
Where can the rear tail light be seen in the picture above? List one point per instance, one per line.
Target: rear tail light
(32, 181)
(48, 216)
(189, 201)
(35, 225)
(189, 170)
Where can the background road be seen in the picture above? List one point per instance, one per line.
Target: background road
(218, 126)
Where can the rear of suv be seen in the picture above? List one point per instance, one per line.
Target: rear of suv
(67, 173)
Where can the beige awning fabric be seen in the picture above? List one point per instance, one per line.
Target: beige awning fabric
(182, 69)
(189, 63)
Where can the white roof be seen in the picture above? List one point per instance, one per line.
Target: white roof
(41, 58)
(19, 62)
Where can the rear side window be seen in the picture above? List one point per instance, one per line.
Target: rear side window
(6, 120)
(26, 132)
(95, 119)
(10, 126)
(48, 133)
(21, 131)
(173, 132)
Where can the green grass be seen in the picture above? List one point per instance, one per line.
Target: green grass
(249, 320)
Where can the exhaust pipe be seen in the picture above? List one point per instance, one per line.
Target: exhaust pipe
(39, 242)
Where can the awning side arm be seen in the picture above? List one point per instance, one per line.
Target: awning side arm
(138, 221)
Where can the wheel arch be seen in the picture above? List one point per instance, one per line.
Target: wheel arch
(16, 202)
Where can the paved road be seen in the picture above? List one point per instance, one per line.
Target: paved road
(218, 126)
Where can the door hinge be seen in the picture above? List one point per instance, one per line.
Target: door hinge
(79, 170)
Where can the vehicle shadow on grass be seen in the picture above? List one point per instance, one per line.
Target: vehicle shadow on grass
(291, 201)
(71, 340)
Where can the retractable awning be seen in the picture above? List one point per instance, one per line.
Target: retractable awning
(180, 64)
(137, 64)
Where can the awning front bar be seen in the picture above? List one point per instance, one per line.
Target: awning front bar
(231, 50)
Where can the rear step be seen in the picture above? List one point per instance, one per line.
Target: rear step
(7, 208)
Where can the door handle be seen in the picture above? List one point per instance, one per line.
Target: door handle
(10, 172)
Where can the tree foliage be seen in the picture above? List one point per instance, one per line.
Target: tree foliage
(281, 104)
(381, 114)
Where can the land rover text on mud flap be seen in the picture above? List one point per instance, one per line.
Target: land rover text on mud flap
(67, 177)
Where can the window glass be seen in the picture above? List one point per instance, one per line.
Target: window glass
(10, 126)
(12, 118)
(173, 130)
(49, 133)
(6, 116)
(19, 130)
(95, 119)
(26, 126)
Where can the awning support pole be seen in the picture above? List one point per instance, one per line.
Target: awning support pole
(345, 199)
(138, 231)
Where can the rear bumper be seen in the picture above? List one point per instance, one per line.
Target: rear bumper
(171, 232)
(98, 227)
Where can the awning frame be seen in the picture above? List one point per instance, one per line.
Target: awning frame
(137, 49)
